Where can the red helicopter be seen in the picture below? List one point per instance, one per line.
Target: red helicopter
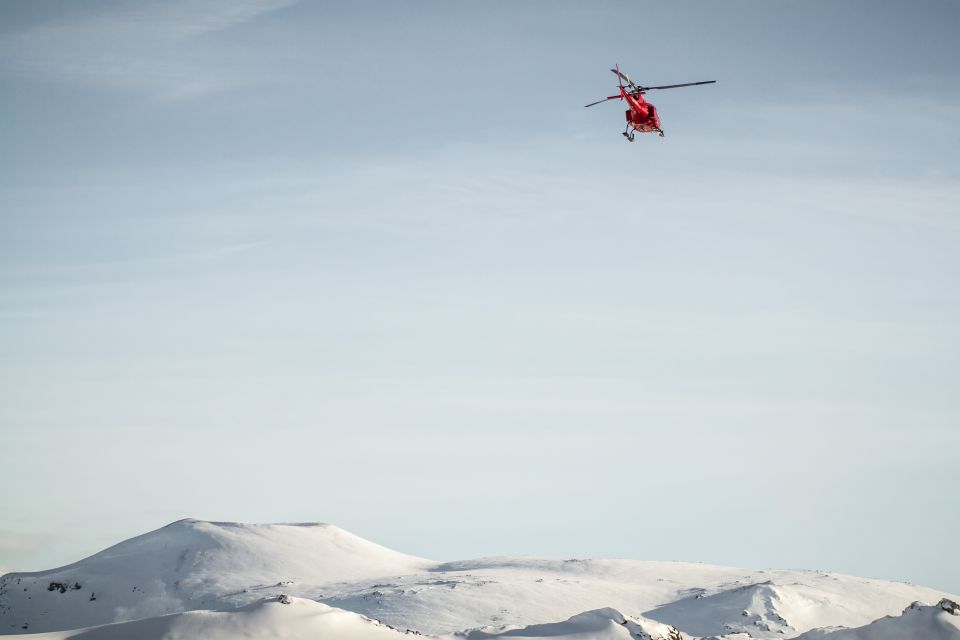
(641, 116)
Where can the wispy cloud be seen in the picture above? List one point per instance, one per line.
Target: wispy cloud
(152, 47)
(112, 270)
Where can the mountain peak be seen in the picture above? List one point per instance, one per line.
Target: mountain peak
(194, 522)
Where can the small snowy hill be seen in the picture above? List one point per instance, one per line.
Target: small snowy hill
(602, 624)
(215, 569)
(918, 622)
(784, 605)
(755, 609)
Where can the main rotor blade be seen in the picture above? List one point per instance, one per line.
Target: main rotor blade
(672, 86)
(599, 101)
(625, 77)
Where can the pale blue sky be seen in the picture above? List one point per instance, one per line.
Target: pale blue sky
(376, 266)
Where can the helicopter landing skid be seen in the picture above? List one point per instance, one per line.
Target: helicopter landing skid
(628, 136)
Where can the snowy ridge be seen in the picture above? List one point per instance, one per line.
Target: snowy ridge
(937, 622)
(220, 570)
(754, 609)
(601, 623)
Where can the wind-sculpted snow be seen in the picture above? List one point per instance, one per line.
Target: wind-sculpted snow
(781, 608)
(215, 568)
(600, 624)
(918, 622)
(754, 609)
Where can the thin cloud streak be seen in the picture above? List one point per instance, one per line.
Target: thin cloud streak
(131, 266)
(151, 48)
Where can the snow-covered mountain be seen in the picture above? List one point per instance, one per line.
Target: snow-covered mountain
(201, 579)
(192, 564)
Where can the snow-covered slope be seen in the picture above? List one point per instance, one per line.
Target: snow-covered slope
(601, 624)
(918, 622)
(267, 619)
(298, 619)
(787, 603)
(696, 598)
(193, 565)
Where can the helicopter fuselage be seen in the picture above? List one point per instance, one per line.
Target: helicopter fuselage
(641, 116)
